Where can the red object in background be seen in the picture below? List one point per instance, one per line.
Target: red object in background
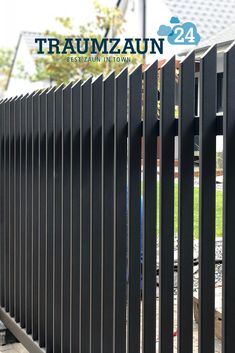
(174, 335)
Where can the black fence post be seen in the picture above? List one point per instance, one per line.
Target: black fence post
(96, 213)
(207, 150)
(166, 256)
(228, 202)
(134, 194)
(186, 207)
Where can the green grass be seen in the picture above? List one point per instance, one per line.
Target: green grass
(219, 204)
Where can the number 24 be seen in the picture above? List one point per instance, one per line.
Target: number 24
(181, 36)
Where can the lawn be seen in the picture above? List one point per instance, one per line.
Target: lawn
(219, 204)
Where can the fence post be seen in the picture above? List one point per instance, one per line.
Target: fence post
(166, 256)
(228, 202)
(186, 206)
(134, 194)
(207, 148)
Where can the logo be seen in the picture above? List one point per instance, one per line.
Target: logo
(178, 33)
(107, 46)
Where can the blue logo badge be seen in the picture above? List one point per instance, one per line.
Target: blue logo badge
(180, 33)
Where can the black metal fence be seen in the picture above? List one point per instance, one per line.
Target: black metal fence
(71, 274)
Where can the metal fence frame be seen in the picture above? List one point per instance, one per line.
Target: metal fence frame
(68, 234)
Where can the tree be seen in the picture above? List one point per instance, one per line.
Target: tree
(57, 69)
(6, 56)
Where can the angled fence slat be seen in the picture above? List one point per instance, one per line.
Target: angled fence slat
(75, 204)
(185, 210)
(166, 255)
(42, 219)
(35, 215)
(96, 213)
(207, 150)
(134, 194)
(120, 211)
(107, 214)
(49, 219)
(85, 141)
(228, 202)
(149, 209)
(23, 213)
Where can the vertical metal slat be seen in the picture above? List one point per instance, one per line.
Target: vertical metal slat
(228, 202)
(120, 211)
(186, 211)
(66, 218)
(134, 195)
(42, 218)
(6, 201)
(57, 241)
(17, 208)
(85, 216)
(207, 204)
(35, 215)
(96, 155)
(28, 216)
(2, 187)
(166, 256)
(107, 214)
(149, 214)
(23, 213)
(11, 207)
(49, 219)
(75, 202)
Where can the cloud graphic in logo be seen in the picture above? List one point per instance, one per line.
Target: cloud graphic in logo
(164, 30)
(185, 34)
(174, 19)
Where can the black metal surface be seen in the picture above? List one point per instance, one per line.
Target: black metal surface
(149, 214)
(17, 207)
(120, 212)
(66, 219)
(42, 218)
(85, 217)
(72, 270)
(6, 201)
(11, 206)
(29, 204)
(229, 203)
(207, 152)
(35, 215)
(75, 237)
(23, 213)
(2, 171)
(185, 208)
(49, 219)
(134, 192)
(57, 231)
(107, 215)
(96, 155)
(166, 256)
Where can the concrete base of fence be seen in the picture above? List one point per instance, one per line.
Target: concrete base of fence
(20, 333)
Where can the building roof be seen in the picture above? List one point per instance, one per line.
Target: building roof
(223, 40)
(210, 16)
